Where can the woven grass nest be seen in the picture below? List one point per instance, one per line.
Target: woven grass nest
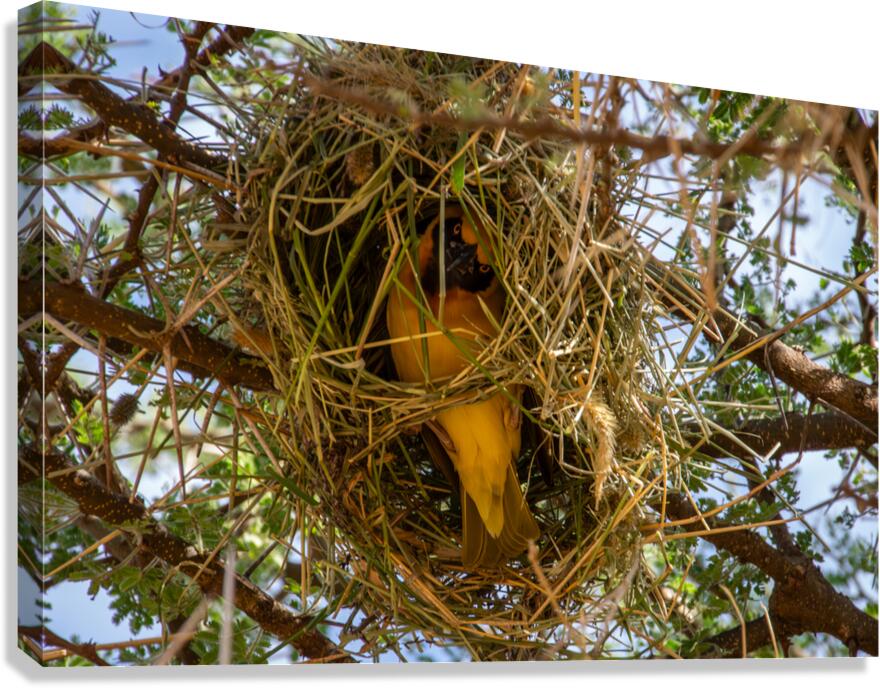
(337, 186)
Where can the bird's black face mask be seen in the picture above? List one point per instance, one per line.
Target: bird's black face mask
(463, 268)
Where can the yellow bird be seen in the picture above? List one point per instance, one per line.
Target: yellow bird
(482, 439)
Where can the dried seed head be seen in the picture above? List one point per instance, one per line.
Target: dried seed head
(360, 165)
(124, 409)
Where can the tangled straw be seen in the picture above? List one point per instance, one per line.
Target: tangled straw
(333, 197)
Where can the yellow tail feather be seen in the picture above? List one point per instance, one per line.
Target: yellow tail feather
(479, 548)
(496, 520)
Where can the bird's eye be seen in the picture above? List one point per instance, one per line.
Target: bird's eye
(457, 229)
(485, 268)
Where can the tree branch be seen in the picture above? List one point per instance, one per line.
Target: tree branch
(803, 601)
(131, 255)
(42, 148)
(44, 637)
(229, 40)
(654, 147)
(94, 499)
(821, 431)
(814, 381)
(782, 435)
(45, 61)
(199, 354)
(729, 642)
(853, 397)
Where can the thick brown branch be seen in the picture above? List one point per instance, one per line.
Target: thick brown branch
(818, 383)
(814, 381)
(198, 353)
(745, 545)
(94, 499)
(729, 642)
(228, 40)
(796, 431)
(803, 601)
(135, 118)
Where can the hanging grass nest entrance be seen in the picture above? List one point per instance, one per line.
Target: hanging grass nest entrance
(355, 147)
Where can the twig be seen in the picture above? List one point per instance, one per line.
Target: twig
(43, 636)
(96, 500)
(198, 353)
(802, 600)
(654, 147)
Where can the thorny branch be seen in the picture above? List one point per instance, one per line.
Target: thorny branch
(802, 600)
(43, 637)
(853, 397)
(793, 433)
(47, 62)
(198, 353)
(229, 39)
(94, 499)
(768, 352)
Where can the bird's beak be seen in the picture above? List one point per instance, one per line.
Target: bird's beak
(460, 255)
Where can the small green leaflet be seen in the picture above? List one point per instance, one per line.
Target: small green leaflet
(291, 486)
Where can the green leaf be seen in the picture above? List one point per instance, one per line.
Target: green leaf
(127, 578)
(291, 486)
